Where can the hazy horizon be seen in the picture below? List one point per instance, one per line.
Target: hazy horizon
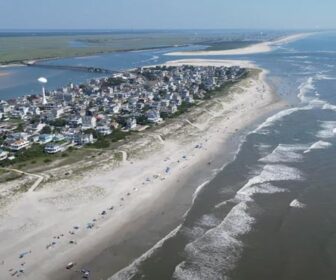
(166, 15)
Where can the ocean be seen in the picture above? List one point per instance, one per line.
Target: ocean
(271, 212)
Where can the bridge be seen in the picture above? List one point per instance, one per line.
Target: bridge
(97, 70)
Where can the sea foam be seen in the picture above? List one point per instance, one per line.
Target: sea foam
(305, 88)
(319, 145)
(214, 254)
(271, 120)
(297, 204)
(327, 129)
(285, 153)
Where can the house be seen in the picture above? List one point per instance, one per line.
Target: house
(189, 99)
(131, 123)
(75, 121)
(89, 122)
(17, 136)
(153, 116)
(104, 130)
(45, 138)
(3, 155)
(58, 137)
(19, 145)
(53, 148)
(83, 139)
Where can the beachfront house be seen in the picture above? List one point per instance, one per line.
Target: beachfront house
(53, 148)
(3, 155)
(83, 139)
(131, 123)
(153, 116)
(104, 130)
(19, 145)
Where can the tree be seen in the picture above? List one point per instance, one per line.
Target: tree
(46, 130)
(19, 128)
(59, 122)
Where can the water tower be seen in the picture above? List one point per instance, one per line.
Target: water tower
(43, 81)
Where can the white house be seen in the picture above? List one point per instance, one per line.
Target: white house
(104, 130)
(89, 122)
(83, 139)
(154, 116)
(3, 155)
(53, 148)
(19, 145)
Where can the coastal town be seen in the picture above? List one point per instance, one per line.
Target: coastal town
(105, 108)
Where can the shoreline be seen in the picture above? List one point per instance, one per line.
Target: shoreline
(253, 49)
(59, 206)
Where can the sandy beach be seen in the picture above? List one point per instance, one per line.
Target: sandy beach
(131, 204)
(253, 49)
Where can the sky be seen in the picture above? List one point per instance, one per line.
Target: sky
(167, 14)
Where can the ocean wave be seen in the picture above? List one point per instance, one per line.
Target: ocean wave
(205, 223)
(319, 145)
(271, 120)
(285, 153)
(275, 172)
(305, 88)
(262, 182)
(263, 148)
(297, 204)
(267, 188)
(327, 129)
(324, 77)
(214, 254)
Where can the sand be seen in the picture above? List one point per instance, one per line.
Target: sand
(253, 49)
(63, 210)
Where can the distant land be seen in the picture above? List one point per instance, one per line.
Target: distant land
(18, 46)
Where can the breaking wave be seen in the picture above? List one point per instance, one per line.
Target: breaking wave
(214, 254)
(262, 129)
(319, 145)
(285, 153)
(327, 129)
(297, 204)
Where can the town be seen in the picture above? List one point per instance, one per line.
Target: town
(105, 108)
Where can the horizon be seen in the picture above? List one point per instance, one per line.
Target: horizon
(153, 14)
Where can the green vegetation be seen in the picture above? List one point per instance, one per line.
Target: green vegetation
(6, 175)
(104, 142)
(18, 49)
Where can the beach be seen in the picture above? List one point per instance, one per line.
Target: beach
(108, 215)
(253, 49)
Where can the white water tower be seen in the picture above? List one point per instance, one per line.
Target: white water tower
(43, 81)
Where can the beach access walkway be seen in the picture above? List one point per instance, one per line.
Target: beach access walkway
(39, 178)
